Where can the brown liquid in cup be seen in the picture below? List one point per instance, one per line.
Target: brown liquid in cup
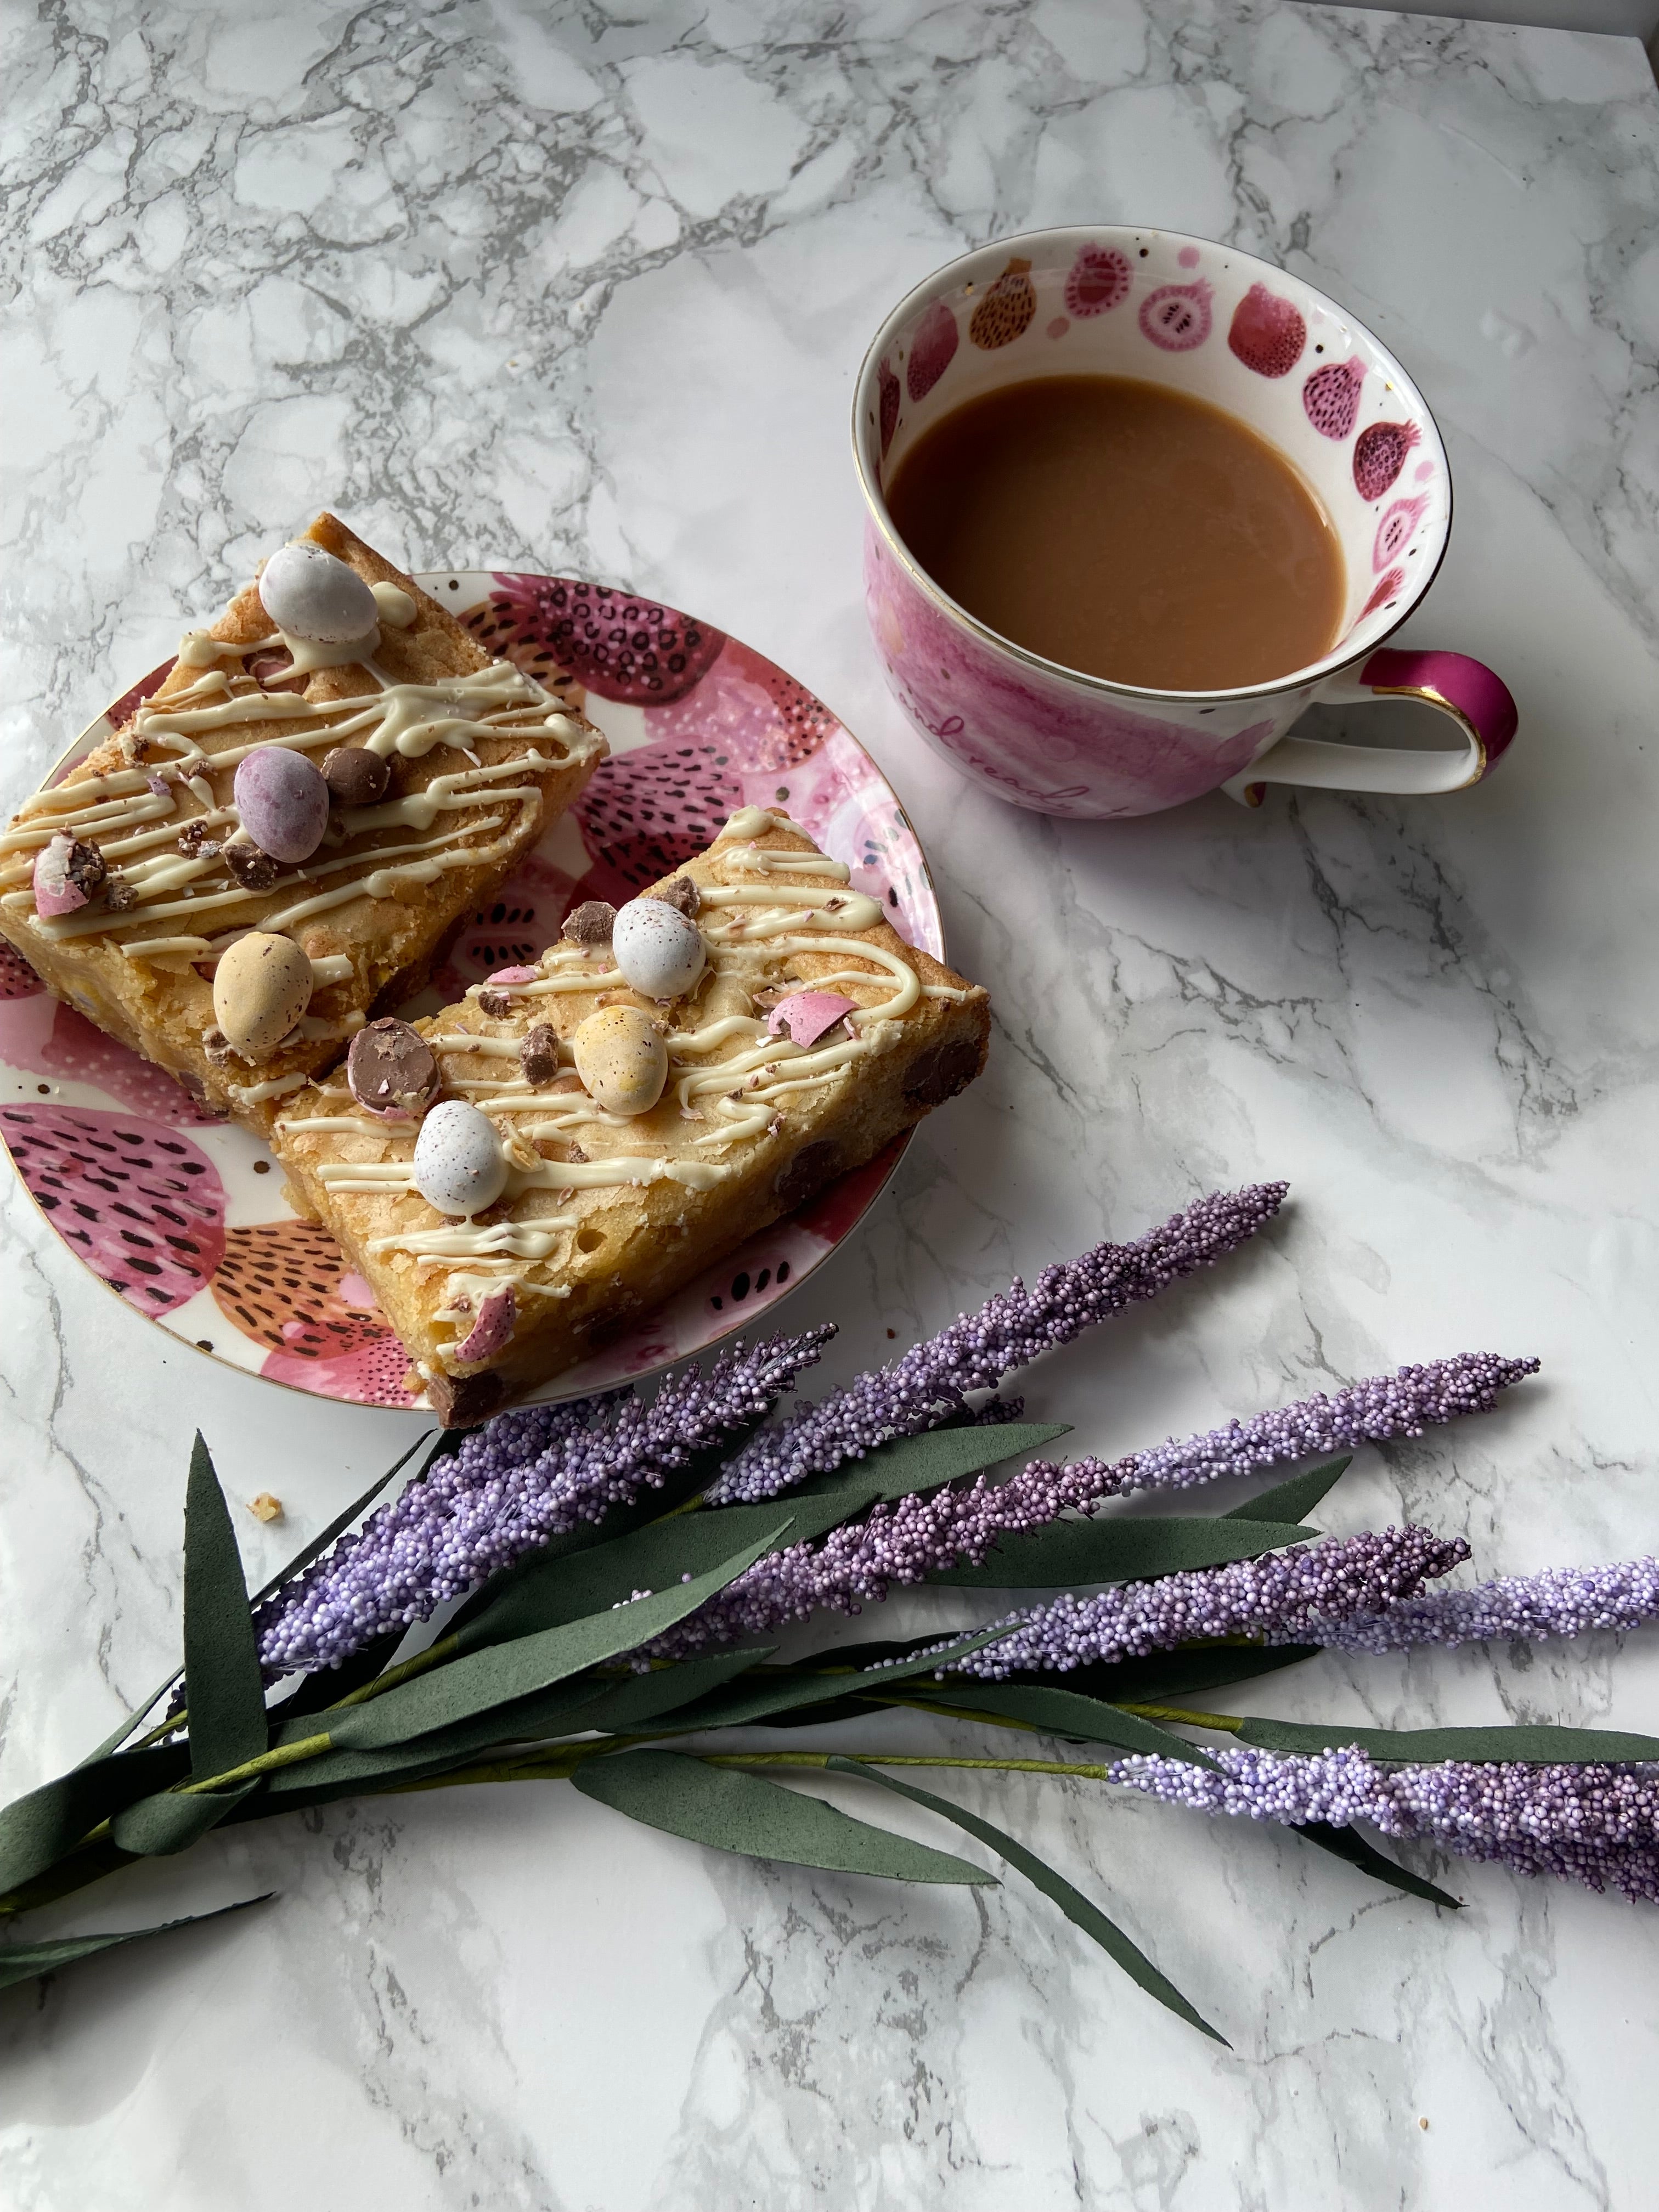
(1124, 530)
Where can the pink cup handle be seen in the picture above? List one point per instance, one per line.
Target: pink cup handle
(1476, 700)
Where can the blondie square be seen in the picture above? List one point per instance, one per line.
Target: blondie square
(277, 844)
(575, 1141)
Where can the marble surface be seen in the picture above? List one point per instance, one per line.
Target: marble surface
(587, 287)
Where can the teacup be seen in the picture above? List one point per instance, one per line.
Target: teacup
(1222, 326)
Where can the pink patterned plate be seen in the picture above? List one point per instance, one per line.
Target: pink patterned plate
(185, 1217)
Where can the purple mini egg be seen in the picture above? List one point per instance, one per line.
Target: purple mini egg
(283, 802)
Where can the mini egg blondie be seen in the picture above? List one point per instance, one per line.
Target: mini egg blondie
(277, 843)
(522, 1174)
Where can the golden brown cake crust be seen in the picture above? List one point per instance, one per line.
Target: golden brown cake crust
(614, 1250)
(374, 950)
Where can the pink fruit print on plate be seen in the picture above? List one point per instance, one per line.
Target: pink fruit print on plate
(139, 1183)
(1331, 397)
(1178, 317)
(140, 1203)
(1267, 333)
(1379, 454)
(932, 349)
(1097, 280)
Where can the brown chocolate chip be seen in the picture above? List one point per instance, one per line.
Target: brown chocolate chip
(538, 1054)
(355, 776)
(496, 1004)
(590, 923)
(255, 871)
(461, 1401)
(804, 1177)
(196, 841)
(681, 894)
(120, 895)
(85, 867)
(217, 1045)
(940, 1073)
(391, 1068)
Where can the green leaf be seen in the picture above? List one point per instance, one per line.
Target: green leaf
(776, 1690)
(26, 1962)
(300, 1559)
(1170, 1676)
(1063, 1713)
(479, 1681)
(1346, 1844)
(733, 1811)
(43, 1827)
(571, 1708)
(557, 1588)
(1062, 1554)
(911, 1464)
(1523, 1744)
(1078, 1908)
(157, 1827)
(1295, 1499)
(226, 1698)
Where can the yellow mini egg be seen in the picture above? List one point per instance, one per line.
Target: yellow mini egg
(261, 986)
(622, 1060)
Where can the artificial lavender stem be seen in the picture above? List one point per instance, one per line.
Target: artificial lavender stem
(527, 1476)
(978, 1350)
(1279, 1598)
(1595, 1824)
(1402, 1404)
(1514, 1608)
(918, 1536)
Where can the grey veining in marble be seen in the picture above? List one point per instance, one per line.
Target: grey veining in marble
(586, 287)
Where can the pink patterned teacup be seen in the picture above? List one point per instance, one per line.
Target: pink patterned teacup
(1207, 320)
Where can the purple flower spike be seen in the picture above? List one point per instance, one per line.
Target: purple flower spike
(897, 1543)
(1516, 1608)
(1403, 1404)
(977, 1350)
(526, 1476)
(1280, 1598)
(1598, 1825)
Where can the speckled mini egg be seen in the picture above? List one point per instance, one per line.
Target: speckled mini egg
(459, 1165)
(622, 1059)
(659, 949)
(282, 800)
(310, 594)
(261, 986)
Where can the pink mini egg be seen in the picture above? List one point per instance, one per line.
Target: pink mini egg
(810, 1015)
(283, 802)
(67, 873)
(493, 1329)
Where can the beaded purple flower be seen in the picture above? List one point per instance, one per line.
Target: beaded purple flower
(977, 1350)
(1402, 1404)
(1276, 1599)
(1595, 1824)
(526, 1476)
(1514, 1608)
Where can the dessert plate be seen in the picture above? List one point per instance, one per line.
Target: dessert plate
(185, 1218)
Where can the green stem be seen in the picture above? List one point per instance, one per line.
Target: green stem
(559, 1766)
(283, 1754)
(1223, 1724)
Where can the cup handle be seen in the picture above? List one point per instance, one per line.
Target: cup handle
(1479, 701)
